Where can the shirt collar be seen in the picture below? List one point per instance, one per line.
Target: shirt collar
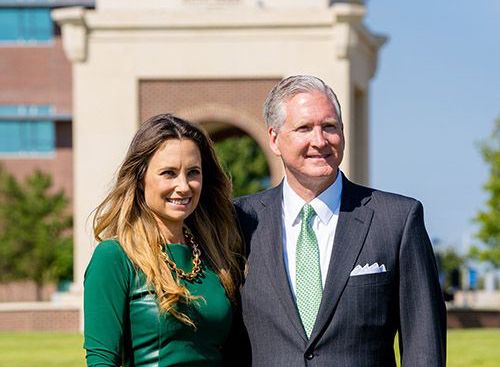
(325, 204)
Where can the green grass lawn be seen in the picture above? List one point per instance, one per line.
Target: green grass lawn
(41, 350)
(466, 348)
(474, 348)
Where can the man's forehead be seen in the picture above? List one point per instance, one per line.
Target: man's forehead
(309, 98)
(327, 120)
(304, 93)
(308, 103)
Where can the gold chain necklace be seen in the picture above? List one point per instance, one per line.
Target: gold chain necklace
(188, 237)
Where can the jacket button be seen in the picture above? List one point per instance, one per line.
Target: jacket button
(309, 356)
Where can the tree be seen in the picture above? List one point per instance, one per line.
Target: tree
(35, 231)
(489, 218)
(245, 163)
(450, 263)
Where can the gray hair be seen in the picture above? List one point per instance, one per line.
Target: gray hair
(274, 107)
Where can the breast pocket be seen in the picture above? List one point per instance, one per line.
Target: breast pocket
(370, 279)
(369, 299)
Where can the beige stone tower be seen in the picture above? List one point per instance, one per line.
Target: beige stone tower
(211, 61)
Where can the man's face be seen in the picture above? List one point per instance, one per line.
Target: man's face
(310, 142)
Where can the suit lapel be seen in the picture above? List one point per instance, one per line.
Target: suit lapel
(271, 239)
(352, 228)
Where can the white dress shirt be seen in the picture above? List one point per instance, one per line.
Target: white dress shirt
(327, 207)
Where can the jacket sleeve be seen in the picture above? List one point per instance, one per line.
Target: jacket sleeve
(422, 329)
(105, 303)
(237, 351)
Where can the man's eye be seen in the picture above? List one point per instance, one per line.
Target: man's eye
(302, 129)
(330, 128)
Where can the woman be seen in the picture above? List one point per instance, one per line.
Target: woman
(159, 288)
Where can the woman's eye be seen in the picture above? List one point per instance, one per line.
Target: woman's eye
(194, 172)
(168, 173)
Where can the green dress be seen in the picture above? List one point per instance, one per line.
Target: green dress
(123, 324)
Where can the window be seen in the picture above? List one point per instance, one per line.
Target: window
(25, 24)
(26, 130)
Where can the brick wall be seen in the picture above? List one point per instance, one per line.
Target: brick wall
(243, 95)
(38, 317)
(471, 318)
(39, 74)
(24, 291)
(46, 317)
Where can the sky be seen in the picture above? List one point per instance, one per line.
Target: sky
(434, 98)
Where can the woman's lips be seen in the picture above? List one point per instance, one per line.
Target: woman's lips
(183, 201)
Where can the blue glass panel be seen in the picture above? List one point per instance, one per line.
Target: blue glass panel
(9, 137)
(26, 24)
(38, 24)
(42, 138)
(26, 135)
(42, 110)
(9, 19)
(25, 110)
(9, 110)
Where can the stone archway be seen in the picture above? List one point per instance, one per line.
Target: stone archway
(236, 102)
(214, 118)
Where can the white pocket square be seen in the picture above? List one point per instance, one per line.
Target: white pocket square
(368, 269)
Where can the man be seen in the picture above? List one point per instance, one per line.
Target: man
(334, 269)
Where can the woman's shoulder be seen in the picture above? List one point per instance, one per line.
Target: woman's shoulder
(109, 248)
(109, 251)
(109, 257)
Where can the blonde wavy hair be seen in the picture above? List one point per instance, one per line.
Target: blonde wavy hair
(124, 215)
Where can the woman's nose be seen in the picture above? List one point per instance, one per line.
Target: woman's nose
(182, 184)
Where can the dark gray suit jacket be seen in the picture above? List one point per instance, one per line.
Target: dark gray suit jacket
(359, 316)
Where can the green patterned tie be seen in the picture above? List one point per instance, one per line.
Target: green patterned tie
(308, 271)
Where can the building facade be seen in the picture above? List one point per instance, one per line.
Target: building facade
(35, 92)
(210, 61)
(35, 133)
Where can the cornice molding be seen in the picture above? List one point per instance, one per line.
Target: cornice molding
(74, 31)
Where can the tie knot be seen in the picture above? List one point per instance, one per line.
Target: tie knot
(307, 213)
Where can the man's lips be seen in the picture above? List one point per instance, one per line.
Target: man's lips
(318, 156)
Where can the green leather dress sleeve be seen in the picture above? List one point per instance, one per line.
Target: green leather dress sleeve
(106, 288)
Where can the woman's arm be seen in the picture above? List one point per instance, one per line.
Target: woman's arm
(106, 289)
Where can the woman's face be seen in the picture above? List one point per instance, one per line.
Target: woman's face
(173, 181)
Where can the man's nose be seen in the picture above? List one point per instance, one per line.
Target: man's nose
(318, 137)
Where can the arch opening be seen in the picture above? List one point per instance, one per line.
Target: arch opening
(241, 157)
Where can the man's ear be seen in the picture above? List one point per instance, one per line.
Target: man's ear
(273, 141)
